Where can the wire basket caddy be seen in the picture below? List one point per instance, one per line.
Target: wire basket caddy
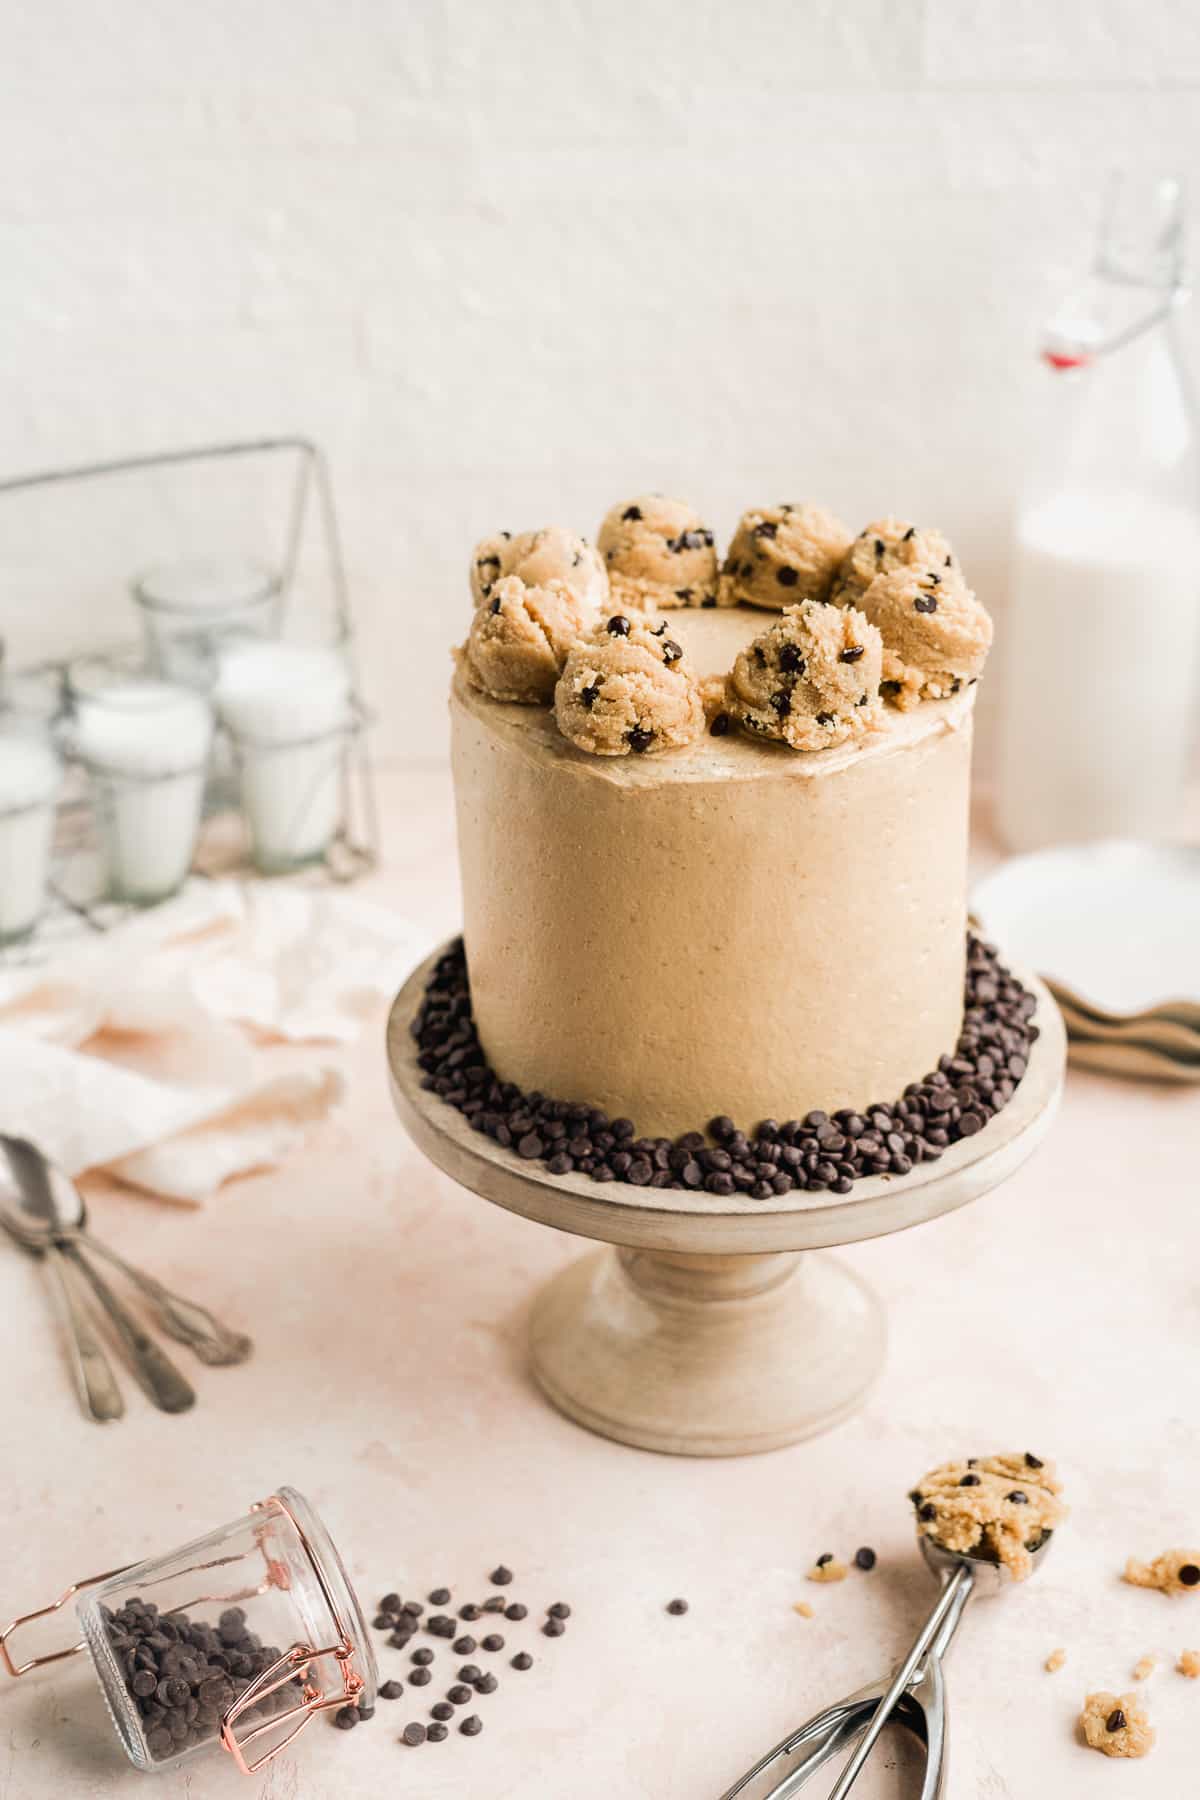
(306, 558)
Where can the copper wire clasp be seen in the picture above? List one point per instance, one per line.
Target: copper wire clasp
(44, 1612)
(298, 1660)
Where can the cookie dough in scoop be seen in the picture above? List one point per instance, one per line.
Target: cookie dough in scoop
(537, 557)
(659, 554)
(781, 554)
(519, 639)
(629, 688)
(996, 1507)
(811, 680)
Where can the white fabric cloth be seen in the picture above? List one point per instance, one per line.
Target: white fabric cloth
(146, 1051)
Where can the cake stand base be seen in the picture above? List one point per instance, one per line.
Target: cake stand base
(719, 1326)
(707, 1355)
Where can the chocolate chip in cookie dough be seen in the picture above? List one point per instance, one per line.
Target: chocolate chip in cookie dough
(685, 594)
(1018, 1498)
(909, 534)
(925, 604)
(1032, 1461)
(618, 626)
(590, 694)
(787, 576)
(824, 718)
(791, 661)
(495, 607)
(782, 702)
(969, 1481)
(632, 512)
(928, 1511)
(1189, 1575)
(671, 652)
(639, 739)
(719, 726)
(766, 528)
(851, 653)
(1116, 1720)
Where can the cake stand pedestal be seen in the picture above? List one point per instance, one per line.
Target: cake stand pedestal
(718, 1326)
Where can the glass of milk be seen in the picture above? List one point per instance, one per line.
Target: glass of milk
(191, 610)
(289, 711)
(30, 779)
(1101, 641)
(145, 746)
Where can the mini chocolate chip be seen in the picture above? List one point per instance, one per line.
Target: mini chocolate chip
(553, 1628)
(495, 607)
(422, 1658)
(787, 576)
(522, 1660)
(782, 702)
(791, 661)
(719, 726)
(677, 1608)
(1032, 1461)
(969, 1481)
(852, 652)
(346, 1718)
(1018, 1498)
(1189, 1574)
(472, 1726)
(442, 1710)
(928, 1511)
(414, 1734)
(671, 652)
(949, 563)
(493, 1641)
(440, 1597)
(639, 739)
(865, 1558)
(465, 1646)
(1116, 1720)
(459, 1694)
(760, 656)
(391, 1690)
(685, 594)
(560, 1610)
(879, 546)
(825, 1557)
(824, 718)
(590, 694)
(632, 512)
(927, 604)
(420, 1678)
(437, 1734)
(766, 528)
(618, 626)
(516, 1611)
(911, 532)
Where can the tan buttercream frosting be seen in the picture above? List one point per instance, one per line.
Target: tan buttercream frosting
(733, 927)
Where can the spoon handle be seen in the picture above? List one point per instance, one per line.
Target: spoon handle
(99, 1395)
(184, 1320)
(162, 1381)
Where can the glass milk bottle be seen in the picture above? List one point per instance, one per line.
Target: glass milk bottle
(1102, 637)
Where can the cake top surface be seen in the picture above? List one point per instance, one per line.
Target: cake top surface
(712, 641)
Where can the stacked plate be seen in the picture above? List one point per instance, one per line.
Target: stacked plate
(1114, 930)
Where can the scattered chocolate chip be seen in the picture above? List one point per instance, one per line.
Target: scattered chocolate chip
(346, 1718)
(471, 1726)
(365, 1711)
(766, 528)
(492, 1642)
(391, 1603)
(442, 1710)
(618, 626)
(459, 1694)
(437, 1734)
(516, 1611)
(470, 1672)
(522, 1660)
(422, 1658)
(391, 1690)
(440, 1597)
(632, 512)
(465, 1646)
(420, 1677)
(560, 1610)
(685, 594)
(1116, 1720)
(553, 1628)
(414, 1734)
(677, 1608)
(487, 1684)
(786, 576)
(865, 1558)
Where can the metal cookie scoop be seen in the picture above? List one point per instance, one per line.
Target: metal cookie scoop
(913, 1695)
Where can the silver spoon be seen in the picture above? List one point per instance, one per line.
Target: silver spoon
(184, 1320)
(913, 1695)
(32, 1205)
(99, 1395)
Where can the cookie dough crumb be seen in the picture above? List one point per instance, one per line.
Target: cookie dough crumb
(1189, 1664)
(997, 1507)
(519, 640)
(1054, 1661)
(811, 680)
(936, 634)
(659, 554)
(1144, 1668)
(781, 554)
(828, 1568)
(1174, 1572)
(1116, 1725)
(629, 687)
(803, 1608)
(538, 557)
(885, 545)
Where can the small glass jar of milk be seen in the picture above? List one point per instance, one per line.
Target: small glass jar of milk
(145, 746)
(193, 609)
(30, 779)
(289, 710)
(1101, 640)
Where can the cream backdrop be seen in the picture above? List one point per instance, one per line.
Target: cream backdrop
(509, 260)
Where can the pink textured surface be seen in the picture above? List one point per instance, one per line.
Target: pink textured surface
(1057, 1314)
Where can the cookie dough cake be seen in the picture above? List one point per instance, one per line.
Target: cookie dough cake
(713, 857)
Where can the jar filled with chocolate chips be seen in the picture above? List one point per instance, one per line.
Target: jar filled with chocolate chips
(231, 1643)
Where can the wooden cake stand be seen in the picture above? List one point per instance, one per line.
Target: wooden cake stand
(709, 1331)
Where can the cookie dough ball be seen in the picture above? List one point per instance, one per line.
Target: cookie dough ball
(996, 1507)
(538, 557)
(936, 634)
(811, 679)
(629, 687)
(659, 554)
(886, 545)
(781, 554)
(1116, 1725)
(520, 637)
(1174, 1572)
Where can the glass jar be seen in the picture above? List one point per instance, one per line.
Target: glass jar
(191, 610)
(145, 745)
(233, 1641)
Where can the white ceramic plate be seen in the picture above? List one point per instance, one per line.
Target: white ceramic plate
(1116, 923)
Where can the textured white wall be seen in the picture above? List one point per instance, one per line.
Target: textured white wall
(507, 261)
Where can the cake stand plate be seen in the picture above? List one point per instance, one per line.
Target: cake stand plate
(717, 1327)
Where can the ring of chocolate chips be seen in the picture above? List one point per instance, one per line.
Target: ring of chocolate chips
(811, 1154)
